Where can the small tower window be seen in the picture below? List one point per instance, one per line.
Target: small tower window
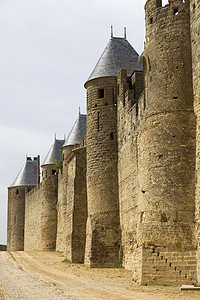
(100, 93)
(176, 11)
(112, 136)
(17, 192)
(98, 117)
(53, 172)
(151, 20)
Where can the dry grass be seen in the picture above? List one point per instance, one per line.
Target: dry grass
(57, 260)
(119, 279)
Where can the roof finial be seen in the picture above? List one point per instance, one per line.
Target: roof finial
(111, 31)
(55, 136)
(79, 110)
(125, 32)
(64, 136)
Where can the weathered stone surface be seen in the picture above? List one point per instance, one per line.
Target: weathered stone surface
(103, 232)
(131, 194)
(195, 39)
(32, 230)
(16, 214)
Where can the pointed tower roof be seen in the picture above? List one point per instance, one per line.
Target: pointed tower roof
(118, 54)
(28, 174)
(78, 131)
(54, 154)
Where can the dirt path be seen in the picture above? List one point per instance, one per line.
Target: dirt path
(44, 276)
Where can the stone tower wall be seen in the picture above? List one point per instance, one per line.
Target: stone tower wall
(166, 172)
(49, 208)
(32, 230)
(195, 41)
(16, 213)
(103, 232)
(166, 146)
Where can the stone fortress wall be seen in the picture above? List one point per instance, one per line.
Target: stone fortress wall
(129, 192)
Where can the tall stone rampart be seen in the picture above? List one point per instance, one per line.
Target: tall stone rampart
(32, 228)
(76, 210)
(130, 111)
(62, 202)
(49, 207)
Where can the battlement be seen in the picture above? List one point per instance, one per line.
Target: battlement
(163, 4)
(160, 17)
(34, 190)
(130, 96)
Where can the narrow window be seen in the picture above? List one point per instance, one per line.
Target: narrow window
(145, 81)
(112, 136)
(98, 122)
(17, 192)
(136, 108)
(53, 172)
(113, 95)
(176, 11)
(151, 21)
(100, 93)
(175, 98)
(194, 6)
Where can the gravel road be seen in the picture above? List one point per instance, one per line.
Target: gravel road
(17, 284)
(43, 276)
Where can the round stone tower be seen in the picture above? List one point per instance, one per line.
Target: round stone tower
(25, 181)
(50, 196)
(103, 229)
(195, 29)
(167, 139)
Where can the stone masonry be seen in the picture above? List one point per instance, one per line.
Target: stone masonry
(127, 192)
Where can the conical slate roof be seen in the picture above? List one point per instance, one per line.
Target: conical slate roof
(78, 131)
(118, 54)
(54, 154)
(28, 174)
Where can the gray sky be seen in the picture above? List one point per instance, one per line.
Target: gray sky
(48, 50)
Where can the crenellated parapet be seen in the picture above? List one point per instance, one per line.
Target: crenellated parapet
(159, 17)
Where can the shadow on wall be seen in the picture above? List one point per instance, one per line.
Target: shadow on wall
(3, 247)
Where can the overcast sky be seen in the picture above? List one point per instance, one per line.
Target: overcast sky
(48, 48)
